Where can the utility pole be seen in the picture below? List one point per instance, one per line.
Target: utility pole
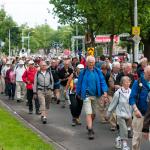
(136, 44)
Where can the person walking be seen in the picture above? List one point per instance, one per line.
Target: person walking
(91, 85)
(43, 86)
(112, 89)
(120, 104)
(75, 101)
(139, 102)
(55, 74)
(20, 85)
(3, 73)
(146, 124)
(10, 77)
(28, 79)
(64, 73)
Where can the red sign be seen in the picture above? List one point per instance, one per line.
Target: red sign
(106, 39)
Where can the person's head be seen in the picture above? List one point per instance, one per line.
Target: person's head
(134, 66)
(116, 67)
(127, 68)
(102, 58)
(79, 68)
(8, 63)
(66, 63)
(104, 68)
(53, 63)
(147, 73)
(144, 62)
(125, 82)
(31, 64)
(21, 63)
(47, 61)
(90, 61)
(43, 66)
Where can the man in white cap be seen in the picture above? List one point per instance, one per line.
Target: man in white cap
(20, 85)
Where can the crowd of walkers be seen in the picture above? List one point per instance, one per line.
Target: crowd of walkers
(119, 92)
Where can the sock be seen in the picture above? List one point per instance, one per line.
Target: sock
(124, 143)
(129, 128)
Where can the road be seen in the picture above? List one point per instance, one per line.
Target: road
(63, 135)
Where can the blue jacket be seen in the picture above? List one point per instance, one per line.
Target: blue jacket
(83, 78)
(143, 93)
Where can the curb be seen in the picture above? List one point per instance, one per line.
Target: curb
(41, 134)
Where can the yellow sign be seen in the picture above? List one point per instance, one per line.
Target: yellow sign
(136, 30)
(91, 51)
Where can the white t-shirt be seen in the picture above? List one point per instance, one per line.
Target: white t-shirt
(19, 72)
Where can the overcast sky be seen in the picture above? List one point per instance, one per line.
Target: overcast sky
(32, 12)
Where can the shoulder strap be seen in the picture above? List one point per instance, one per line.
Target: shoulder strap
(139, 91)
(118, 98)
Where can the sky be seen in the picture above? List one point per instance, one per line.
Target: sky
(32, 12)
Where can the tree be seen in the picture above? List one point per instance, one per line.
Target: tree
(6, 24)
(105, 16)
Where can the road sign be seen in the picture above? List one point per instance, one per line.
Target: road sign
(136, 39)
(136, 30)
(91, 51)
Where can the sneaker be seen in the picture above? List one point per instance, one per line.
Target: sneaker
(118, 143)
(44, 120)
(113, 129)
(130, 134)
(78, 121)
(126, 147)
(30, 112)
(38, 112)
(73, 122)
(90, 134)
(63, 106)
(58, 101)
(91, 130)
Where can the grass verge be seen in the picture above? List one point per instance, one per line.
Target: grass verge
(15, 136)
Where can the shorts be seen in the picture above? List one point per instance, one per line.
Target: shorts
(90, 105)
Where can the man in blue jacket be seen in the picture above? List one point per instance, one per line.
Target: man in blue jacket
(139, 101)
(91, 85)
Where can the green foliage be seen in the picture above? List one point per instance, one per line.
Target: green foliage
(104, 16)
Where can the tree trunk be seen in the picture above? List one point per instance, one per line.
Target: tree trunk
(147, 48)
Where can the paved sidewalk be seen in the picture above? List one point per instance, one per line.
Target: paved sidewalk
(59, 131)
